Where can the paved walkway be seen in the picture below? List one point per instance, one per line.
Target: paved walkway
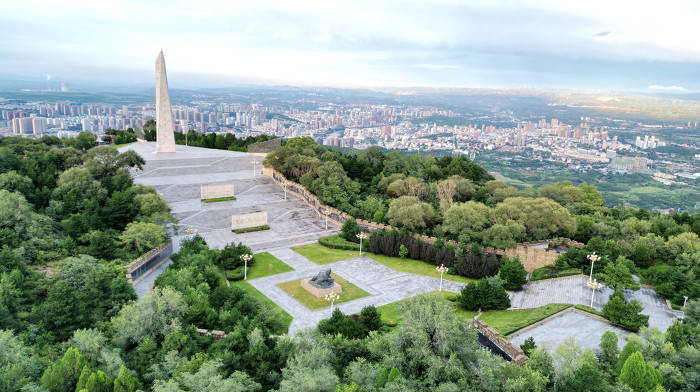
(384, 285)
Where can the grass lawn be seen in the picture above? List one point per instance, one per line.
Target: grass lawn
(350, 292)
(509, 321)
(214, 200)
(319, 254)
(284, 317)
(417, 267)
(392, 316)
(266, 265)
(503, 321)
(119, 145)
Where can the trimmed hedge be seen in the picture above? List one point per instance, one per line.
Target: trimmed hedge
(338, 242)
(590, 310)
(549, 271)
(250, 229)
(469, 264)
(214, 200)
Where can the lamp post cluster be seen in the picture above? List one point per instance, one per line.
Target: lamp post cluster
(246, 258)
(593, 258)
(190, 231)
(361, 236)
(442, 269)
(593, 283)
(332, 297)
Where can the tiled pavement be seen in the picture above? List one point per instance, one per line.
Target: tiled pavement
(382, 283)
(585, 330)
(573, 290)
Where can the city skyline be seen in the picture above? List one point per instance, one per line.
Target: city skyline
(626, 46)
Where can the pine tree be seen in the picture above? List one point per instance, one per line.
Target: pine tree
(513, 273)
(639, 375)
(125, 382)
(371, 318)
(630, 348)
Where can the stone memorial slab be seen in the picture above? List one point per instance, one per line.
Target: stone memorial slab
(216, 191)
(244, 221)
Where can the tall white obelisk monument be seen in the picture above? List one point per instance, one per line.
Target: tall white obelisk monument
(165, 134)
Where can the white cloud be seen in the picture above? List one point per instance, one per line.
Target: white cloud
(668, 88)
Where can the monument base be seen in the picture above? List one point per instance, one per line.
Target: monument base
(319, 292)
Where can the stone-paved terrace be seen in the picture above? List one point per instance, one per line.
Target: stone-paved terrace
(573, 290)
(178, 177)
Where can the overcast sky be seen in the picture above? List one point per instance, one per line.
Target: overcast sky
(593, 44)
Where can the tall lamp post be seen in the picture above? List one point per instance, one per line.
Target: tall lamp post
(332, 297)
(326, 213)
(361, 236)
(594, 285)
(254, 162)
(685, 299)
(285, 190)
(593, 258)
(246, 258)
(442, 270)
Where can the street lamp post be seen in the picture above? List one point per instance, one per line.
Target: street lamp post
(246, 258)
(254, 162)
(361, 236)
(332, 297)
(593, 258)
(442, 270)
(594, 285)
(326, 213)
(285, 191)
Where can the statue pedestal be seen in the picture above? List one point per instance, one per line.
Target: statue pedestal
(319, 292)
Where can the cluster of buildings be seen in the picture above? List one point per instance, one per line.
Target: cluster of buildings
(586, 142)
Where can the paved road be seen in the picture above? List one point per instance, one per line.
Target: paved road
(382, 283)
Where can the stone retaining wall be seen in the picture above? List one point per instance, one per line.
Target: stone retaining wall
(265, 147)
(141, 267)
(516, 353)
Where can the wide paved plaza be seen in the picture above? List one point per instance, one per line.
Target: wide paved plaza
(178, 178)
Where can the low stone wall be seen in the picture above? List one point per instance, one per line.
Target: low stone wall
(265, 147)
(141, 267)
(516, 353)
(338, 217)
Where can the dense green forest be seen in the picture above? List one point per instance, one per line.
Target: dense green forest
(71, 218)
(455, 199)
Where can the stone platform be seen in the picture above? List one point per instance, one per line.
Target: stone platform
(320, 292)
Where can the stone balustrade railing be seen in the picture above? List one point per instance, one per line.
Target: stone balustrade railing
(142, 266)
